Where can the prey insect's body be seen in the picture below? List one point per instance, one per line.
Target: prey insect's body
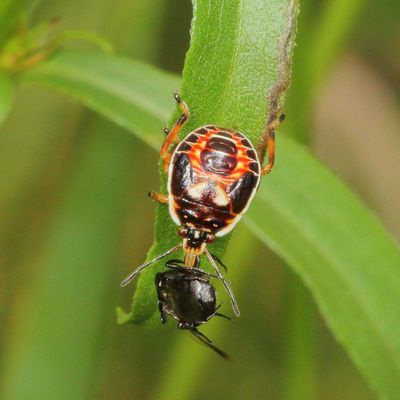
(187, 295)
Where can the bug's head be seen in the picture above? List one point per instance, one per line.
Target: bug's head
(195, 238)
(194, 243)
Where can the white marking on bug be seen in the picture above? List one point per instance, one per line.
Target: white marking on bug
(221, 198)
(197, 190)
(210, 189)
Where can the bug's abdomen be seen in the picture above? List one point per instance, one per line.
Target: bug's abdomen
(219, 156)
(214, 173)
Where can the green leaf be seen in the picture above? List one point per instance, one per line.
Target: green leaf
(342, 253)
(6, 95)
(132, 94)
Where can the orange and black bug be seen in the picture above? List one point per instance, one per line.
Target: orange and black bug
(213, 174)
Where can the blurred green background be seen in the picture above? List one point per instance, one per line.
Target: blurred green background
(75, 219)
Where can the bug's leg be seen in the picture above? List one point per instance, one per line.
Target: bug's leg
(161, 198)
(173, 133)
(227, 287)
(272, 125)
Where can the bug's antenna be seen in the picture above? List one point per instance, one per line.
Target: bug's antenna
(133, 274)
(235, 306)
(205, 340)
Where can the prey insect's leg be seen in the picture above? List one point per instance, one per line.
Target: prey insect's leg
(218, 260)
(205, 340)
(221, 315)
(161, 198)
(173, 133)
(175, 263)
(227, 287)
(272, 125)
(179, 264)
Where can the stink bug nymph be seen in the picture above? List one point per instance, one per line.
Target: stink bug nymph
(213, 174)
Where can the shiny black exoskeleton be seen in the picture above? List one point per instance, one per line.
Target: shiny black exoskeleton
(187, 295)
